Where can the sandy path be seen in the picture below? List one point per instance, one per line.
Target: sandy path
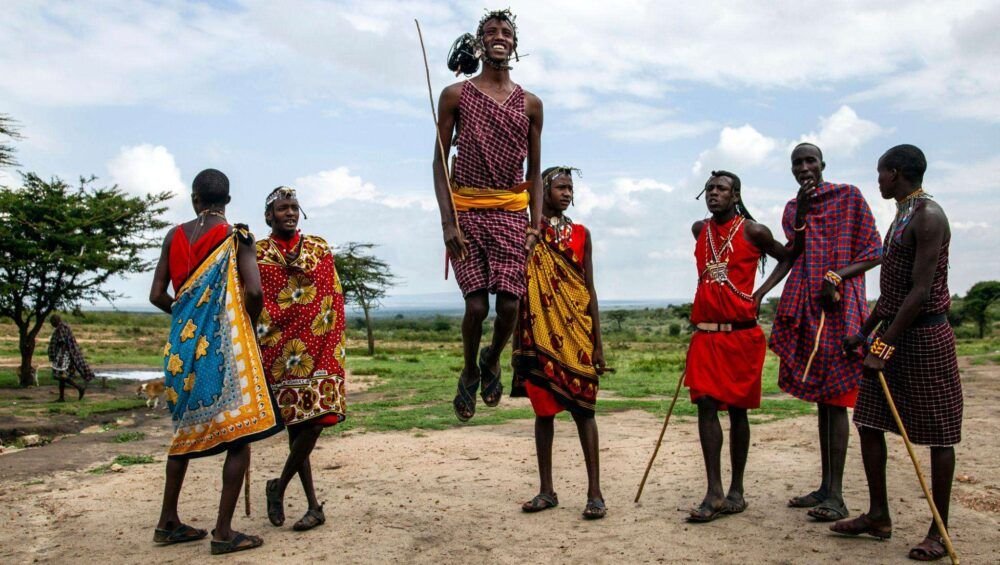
(453, 496)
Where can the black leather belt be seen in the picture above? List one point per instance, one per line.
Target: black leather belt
(922, 321)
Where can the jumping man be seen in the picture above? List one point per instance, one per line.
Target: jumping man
(497, 125)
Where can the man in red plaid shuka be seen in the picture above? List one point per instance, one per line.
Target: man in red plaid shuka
(484, 211)
(914, 346)
(822, 301)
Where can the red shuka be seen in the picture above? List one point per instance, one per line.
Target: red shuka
(726, 366)
(186, 256)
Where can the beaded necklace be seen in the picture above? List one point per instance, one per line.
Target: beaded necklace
(562, 226)
(904, 213)
(717, 260)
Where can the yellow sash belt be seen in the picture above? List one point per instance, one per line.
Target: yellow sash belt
(469, 198)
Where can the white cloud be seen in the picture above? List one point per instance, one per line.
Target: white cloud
(843, 132)
(965, 226)
(326, 187)
(737, 147)
(150, 169)
(634, 122)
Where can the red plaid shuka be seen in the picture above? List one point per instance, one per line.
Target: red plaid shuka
(923, 372)
(841, 231)
(492, 139)
(495, 240)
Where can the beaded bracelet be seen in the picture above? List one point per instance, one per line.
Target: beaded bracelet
(533, 231)
(881, 349)
(833, 278)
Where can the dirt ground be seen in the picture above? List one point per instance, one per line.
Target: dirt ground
(454, 496)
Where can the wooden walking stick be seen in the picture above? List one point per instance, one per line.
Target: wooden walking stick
(246, 486)
(819, 335)
(920, 475)
(659, 440)
(440, 143)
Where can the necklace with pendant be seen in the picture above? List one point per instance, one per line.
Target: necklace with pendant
(562, 226)
(717, 259)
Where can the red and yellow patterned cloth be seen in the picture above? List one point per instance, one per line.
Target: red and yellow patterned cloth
(554, 341)
(301, 330)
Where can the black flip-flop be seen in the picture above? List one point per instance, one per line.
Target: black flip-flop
(704, 513)
(730, 506)
(275, 503)
(541, 501)
(314, 517)
(181, 534)
(465, 400)
(595, 509)
(238, 543)
(807, 500)
(492, 387)
(829, 511)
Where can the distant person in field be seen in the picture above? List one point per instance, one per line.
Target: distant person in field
(558, 351)
(302, 341)
(215, 383)
(822, 301)
(915, 348)
(726, 355)
(496, 126)
(67, 359)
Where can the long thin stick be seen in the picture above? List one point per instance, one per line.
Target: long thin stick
(920, 475)
(819, 335)
(659, 440)
(246, 487)
(437, 135)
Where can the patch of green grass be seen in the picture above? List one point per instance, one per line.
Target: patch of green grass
(132, 435)
(85, 408)
(126, 460)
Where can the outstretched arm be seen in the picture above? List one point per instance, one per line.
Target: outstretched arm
(533, 107)
(447, 114)
(158, 295)
(593, 309)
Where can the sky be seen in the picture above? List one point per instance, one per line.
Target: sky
(646, 97)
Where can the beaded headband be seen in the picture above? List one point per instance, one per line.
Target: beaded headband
(280, 193)
(556, 171)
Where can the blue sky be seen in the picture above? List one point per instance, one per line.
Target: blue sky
(644, 97)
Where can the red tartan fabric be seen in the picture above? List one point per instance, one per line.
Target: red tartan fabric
(840, 231)
(492, 139)
(301, 331)
(726, 366)
(923, 373)
(496, 259)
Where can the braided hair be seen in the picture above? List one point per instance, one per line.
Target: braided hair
(741, 208)
(467, 50)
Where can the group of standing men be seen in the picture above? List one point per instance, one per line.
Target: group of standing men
(831, 347)
(506, 232)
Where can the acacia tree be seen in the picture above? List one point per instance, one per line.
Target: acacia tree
(365, 280)
(8, 129)
(59, 246)
(976, 305)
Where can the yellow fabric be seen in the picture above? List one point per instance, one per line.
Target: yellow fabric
(468, 198)
(559, 301)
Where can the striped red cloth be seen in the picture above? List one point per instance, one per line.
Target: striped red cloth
(492, 139)
(841, 231)
(923, 373)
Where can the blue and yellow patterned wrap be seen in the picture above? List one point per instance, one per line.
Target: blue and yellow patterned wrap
(215, 383)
